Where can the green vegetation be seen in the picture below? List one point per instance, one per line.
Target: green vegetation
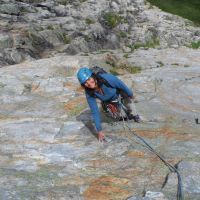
(66, 38)
(114, 72)
(44, 174)
(23, 10)
(89, 21)
(121, 65)
(160, 64)
(134, 69)
(50, 27)
(175, 64)
(63, 2)
(123, 34)
(35, 38)
(102, 51)
(195, 45)
(85, 54)
(149, 44)
(126, 55)
(112, 19)
(189, 9)
(130, 68)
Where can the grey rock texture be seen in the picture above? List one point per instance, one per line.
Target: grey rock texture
(48, 146)
(40, 28)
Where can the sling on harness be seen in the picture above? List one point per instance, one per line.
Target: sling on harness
(112, 108)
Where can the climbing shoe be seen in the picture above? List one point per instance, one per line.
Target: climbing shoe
(122, 119)
(136, 118)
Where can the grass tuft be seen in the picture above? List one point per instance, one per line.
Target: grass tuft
(189, 9)
(118, 65)
(112, 19)
(89, 21)
(195, 45)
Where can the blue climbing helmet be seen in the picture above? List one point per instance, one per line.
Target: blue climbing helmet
(84, 74)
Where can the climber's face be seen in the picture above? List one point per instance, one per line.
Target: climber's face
(91, 83)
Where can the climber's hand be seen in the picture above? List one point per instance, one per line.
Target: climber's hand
(101, 136)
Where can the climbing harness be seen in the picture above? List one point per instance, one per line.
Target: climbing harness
(122, 110)
(113, 109)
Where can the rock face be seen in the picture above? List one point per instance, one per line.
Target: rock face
(48, 148)
(48, 144)
(37, 29)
